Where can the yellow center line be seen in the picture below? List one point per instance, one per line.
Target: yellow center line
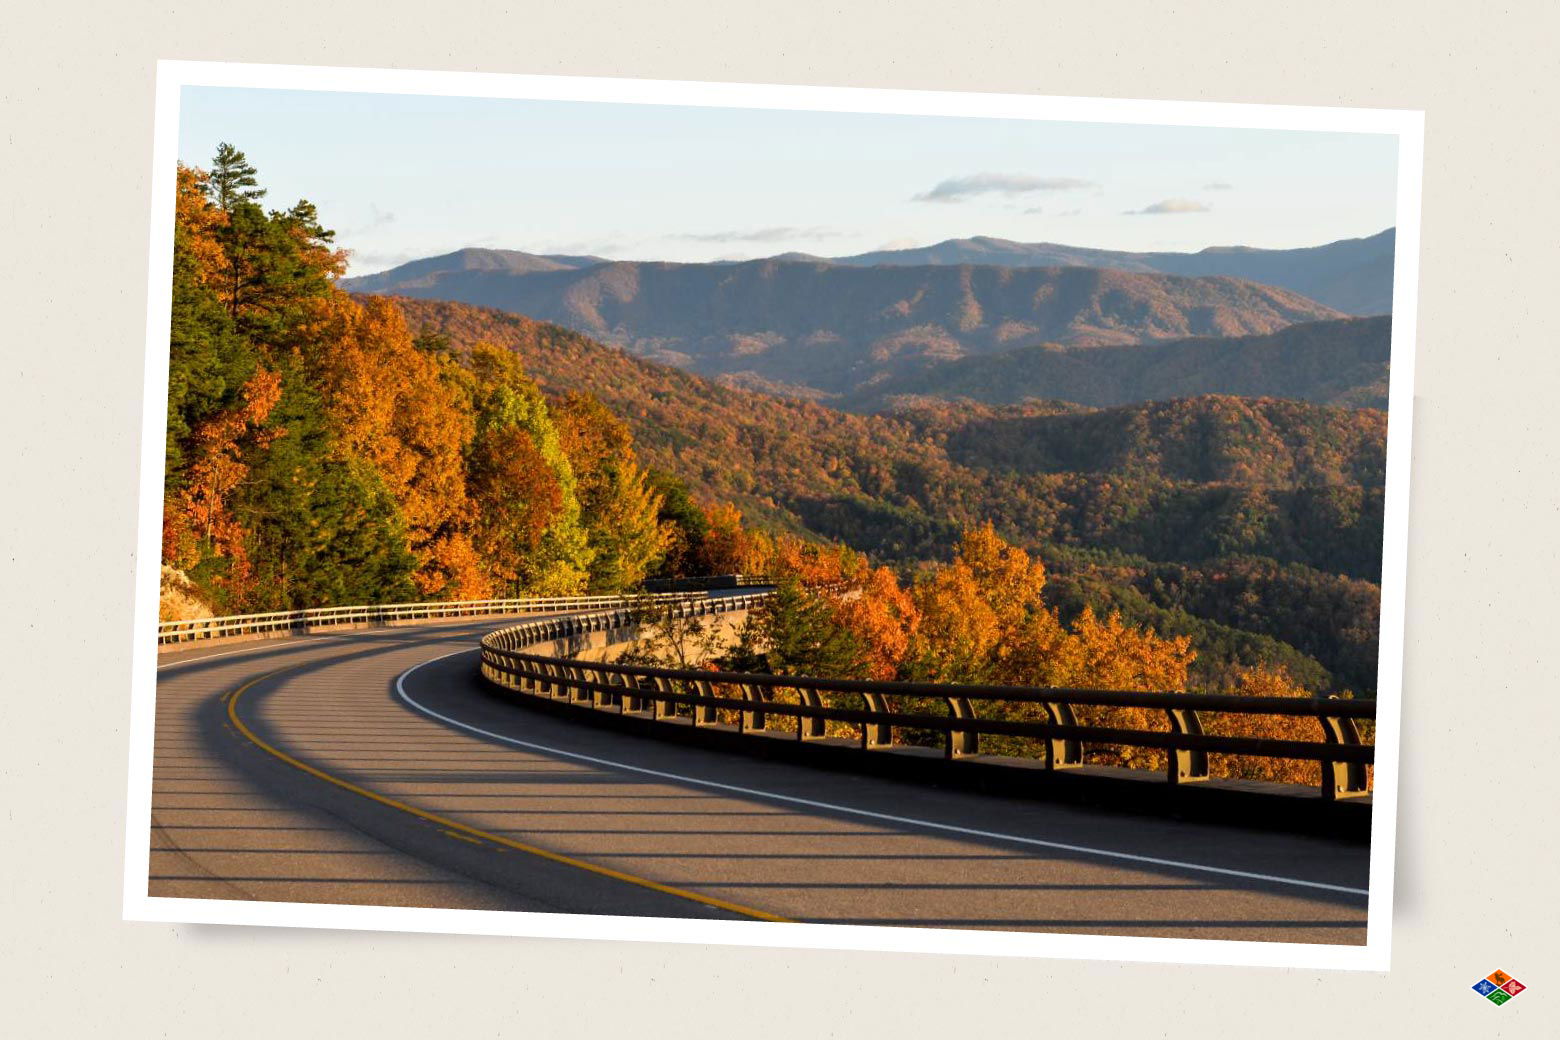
(457, 829)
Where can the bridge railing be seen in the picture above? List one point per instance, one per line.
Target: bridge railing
(510, 659)
(325, 617)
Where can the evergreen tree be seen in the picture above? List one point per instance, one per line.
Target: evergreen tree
(795, 632)
(322, 528)
(208, 363)
(233, 181)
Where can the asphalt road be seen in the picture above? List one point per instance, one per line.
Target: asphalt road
(374, 767)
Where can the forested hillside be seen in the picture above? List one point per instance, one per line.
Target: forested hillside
(812, 328)
(1184, 483)
(1325, 362)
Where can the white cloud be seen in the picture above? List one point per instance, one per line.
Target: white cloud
(1169, 206)
(957, 189)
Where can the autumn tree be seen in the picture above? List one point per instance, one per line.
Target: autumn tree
(619, 508)
(882, 618)
(958, 632)
(683, 523)
(1264, 682)
(519, 496)
(730, 548)
(502, 401)
(392, 405)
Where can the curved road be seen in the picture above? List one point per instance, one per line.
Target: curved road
(375, 767)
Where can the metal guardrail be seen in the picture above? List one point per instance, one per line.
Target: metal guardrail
(708, 583)
(326, 617)
(663, 693)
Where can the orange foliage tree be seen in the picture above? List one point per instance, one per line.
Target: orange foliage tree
(390, 405)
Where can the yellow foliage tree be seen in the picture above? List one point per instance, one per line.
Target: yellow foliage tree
(1264, 682)
(958, 631)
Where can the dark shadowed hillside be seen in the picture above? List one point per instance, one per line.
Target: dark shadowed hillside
(1327, 362)
(803, 327)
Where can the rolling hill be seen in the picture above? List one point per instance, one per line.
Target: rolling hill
(1341, 362)
(813, 329)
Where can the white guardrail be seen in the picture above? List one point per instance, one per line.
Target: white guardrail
(325, 617)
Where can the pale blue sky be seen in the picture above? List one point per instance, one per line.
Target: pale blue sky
(401, 177)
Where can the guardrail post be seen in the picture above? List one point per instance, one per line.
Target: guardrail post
(1342, 780)
(1063, 752)
(876, 734)
(809, 727)
(753, 718)
(1185, 765)
(961, 742)
(703, 714)
(663, 708)
(571, 687)
(598, 698)
(629, 699)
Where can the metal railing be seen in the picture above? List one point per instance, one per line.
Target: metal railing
(663, 694)
(325, 617)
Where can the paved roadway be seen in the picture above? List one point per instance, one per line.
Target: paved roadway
(374, 767)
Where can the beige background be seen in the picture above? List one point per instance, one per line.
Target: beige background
(1476, 851)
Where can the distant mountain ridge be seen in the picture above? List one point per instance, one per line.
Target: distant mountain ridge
(810, 328)
(1351, 275)
(504, 261)
(1343, 362)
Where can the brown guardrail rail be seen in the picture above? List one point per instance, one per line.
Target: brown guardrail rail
(326, 617)
(696, 696)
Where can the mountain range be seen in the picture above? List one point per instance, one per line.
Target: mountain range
(819, 329)
(1351, 275)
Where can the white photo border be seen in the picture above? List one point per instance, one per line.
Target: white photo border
(1407, 126)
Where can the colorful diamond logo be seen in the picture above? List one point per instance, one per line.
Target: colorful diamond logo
(1497, 987)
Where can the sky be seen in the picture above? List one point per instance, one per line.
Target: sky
(401, 177)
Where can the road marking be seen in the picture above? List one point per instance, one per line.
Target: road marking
(472, 833)
(400, 689)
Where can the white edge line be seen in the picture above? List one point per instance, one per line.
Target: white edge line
(400, 689)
